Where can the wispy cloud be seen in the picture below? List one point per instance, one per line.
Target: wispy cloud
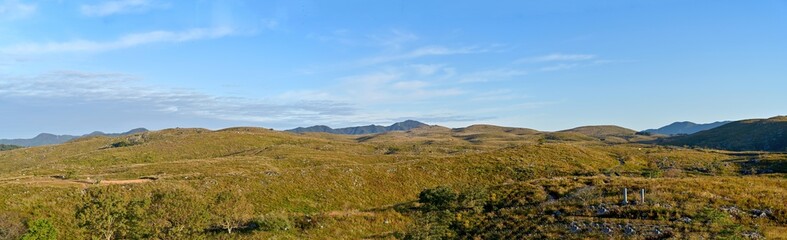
(126, 41)
(14, 9)
(393, 39)
(557, 57)
(112, 88)
(498, 74)
(398, 85)
(427, 51)
(297, 108)
(118, 7)
(396, 39)
(560, 61)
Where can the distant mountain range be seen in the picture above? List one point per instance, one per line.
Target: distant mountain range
(746, 135)
(684, 128)
(370, 129)
(48, 139)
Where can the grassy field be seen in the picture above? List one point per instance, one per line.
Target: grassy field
(253, 183)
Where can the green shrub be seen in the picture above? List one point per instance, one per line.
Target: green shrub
(273, 222)
(437, 198)
(40, 229)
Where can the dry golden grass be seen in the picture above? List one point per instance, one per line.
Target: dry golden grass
(366, 176)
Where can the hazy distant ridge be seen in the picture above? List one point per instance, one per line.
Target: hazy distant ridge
(370, 129)
(48, 139)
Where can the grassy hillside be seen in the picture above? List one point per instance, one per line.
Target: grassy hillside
(253, 183)
(610, 134)
(747, 135)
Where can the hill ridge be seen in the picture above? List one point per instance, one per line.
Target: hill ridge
(685, 127)
(360, 130)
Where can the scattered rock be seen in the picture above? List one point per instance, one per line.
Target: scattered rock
(602, 210)
(574, 228)
(758, 213)
(607, 230)
(732, 210)
(686, 219)
(629, 230)
(557, 213)
(752, 235)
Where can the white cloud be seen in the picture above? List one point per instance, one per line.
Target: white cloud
(558, 57)
(112, 89)
(118, 7)
(126, 41)
(427, 51)
(428, 69)
(492, 75)
(14, 9)
(107, 91)
(395, 39)
(497, 95)
(396, 85)
(410, 85)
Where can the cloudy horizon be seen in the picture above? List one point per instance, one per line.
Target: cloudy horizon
(73, 67)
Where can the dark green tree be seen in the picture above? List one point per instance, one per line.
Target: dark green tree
(439, 198)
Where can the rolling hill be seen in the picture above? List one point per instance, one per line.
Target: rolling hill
(609, 133)
(681, 128)
(360, 130)
(746, 135)
(431, 182)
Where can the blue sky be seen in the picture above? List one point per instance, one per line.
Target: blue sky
(72, 67)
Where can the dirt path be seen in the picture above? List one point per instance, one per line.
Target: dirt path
(132, 181)
(70, 182)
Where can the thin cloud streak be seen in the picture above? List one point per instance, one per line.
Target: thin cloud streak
(117, 7)
(557, 57)
(126, 41)
(13, 9)
(421, 52)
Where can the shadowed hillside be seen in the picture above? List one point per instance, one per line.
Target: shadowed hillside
(680, 128)
(747, 135)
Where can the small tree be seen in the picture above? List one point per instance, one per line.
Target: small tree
(40, 229)
(231, 210)
(106, 214)
(176, 215)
